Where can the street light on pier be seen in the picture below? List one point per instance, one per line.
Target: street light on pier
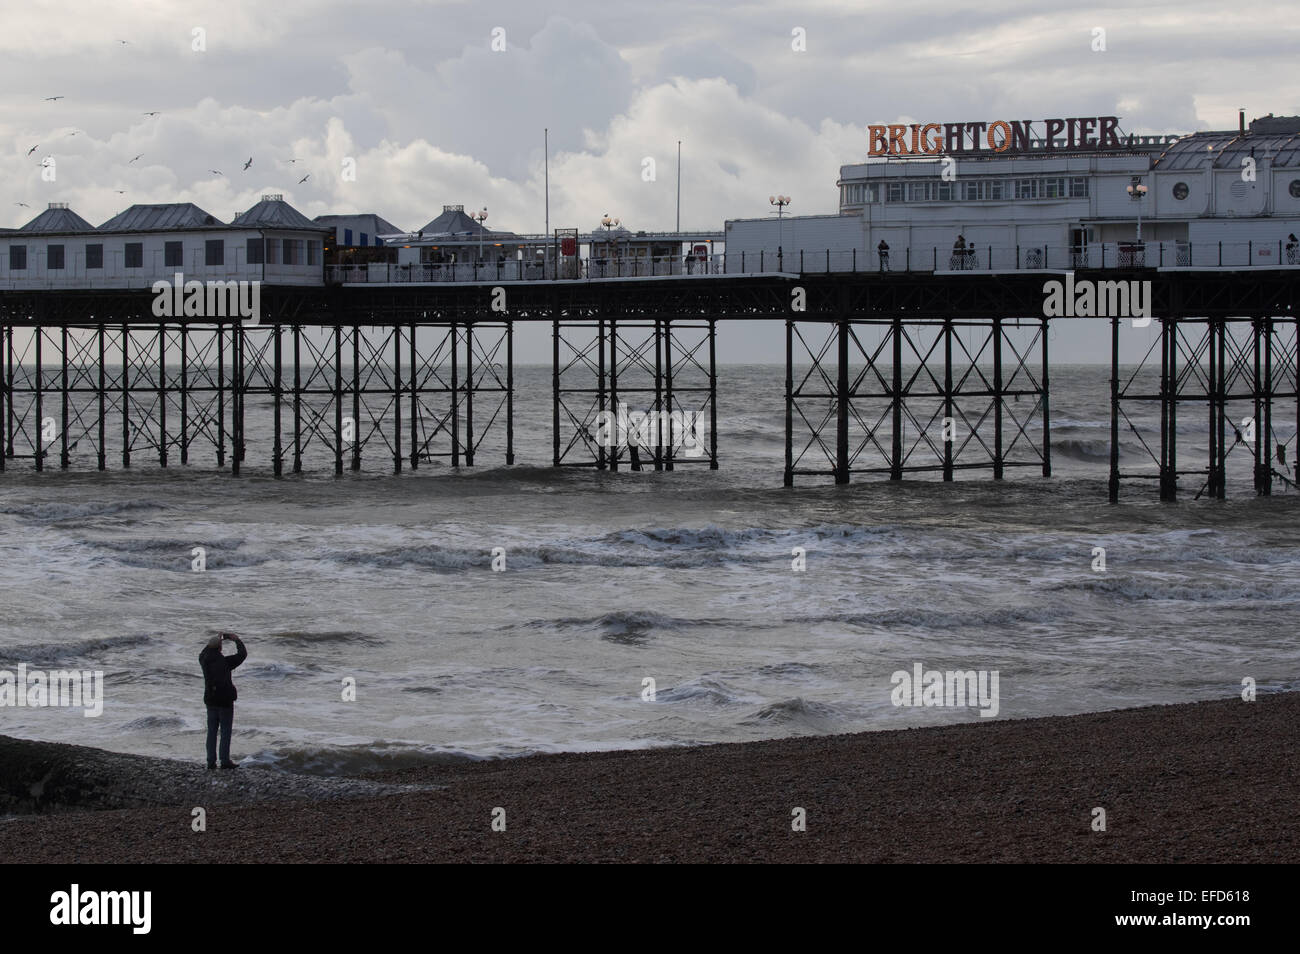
(480, 217)
(1137, 192)
(780, 201)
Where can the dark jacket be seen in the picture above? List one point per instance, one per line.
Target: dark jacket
(218, 687)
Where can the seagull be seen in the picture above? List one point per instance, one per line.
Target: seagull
(248, 163)
(216, 172)
(23, 204)
(141, 156)
(304, 178)
(292, 161)
(51, 99)
(124, 42)
(73, 133)
(154, 113)
(33, 149)
(120, 191)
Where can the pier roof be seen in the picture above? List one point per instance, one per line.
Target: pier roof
(58, 218)
(272, 212)
(169, 215)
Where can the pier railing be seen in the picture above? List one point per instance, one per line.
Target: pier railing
(933, 259)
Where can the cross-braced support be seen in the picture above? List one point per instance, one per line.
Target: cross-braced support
(1242, 376)
(631, 392)
(286, 394)
(910, 396)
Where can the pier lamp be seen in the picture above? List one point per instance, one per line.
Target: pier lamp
(1137, 192)
(480, 217)
(780, 201)
(610, 224)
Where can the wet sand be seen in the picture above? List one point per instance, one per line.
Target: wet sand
(1202, 782)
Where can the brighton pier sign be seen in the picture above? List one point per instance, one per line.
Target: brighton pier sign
(939, 139)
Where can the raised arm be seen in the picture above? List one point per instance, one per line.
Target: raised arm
(241, 653)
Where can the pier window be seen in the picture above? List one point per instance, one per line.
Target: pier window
(947, 191)
(174, 254)
(365, 239)
(133, 255)
(215, 252)
(293, 251)
(895, 192)
(272, 251)
(1052, 188)
(17, 258)
(347, 236)
(95, 255)
(1079, 187)
(1026, 188)
(54, 256)
(255, 252)
(313, 252)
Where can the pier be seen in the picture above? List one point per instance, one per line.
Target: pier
(887, 374)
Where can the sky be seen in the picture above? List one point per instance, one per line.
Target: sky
(445, 102)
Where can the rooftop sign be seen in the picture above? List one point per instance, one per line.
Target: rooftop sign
(999, 136)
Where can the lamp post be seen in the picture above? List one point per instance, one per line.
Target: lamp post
(1137, 192)
(480, 217)
(610, 224)
(780, 201)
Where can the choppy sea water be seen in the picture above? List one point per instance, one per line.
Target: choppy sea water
(683, 577)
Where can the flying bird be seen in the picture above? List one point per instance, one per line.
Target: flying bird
(304, 178)
(216, 172)
(153, 113)
(292, 161)
(248, 163)
(124, 42)
(23, 204)
(51, 99)
(141, 156)
(33, 149)
(120, 191)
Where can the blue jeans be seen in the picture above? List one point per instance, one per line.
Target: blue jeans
(224, 717)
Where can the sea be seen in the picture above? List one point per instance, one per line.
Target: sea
(638, 609)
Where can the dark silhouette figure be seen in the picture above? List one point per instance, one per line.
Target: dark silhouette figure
(1291, 245)
(959, 253)
(219, 694)
(882, 252)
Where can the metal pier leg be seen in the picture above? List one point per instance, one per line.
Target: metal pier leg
(103, 396)
(9, 387)
(162, 395)
(469, 394)
(237, 397)
(1220, 465)
(896, 465)
(998, 463)
(356, 397)
(659, 394)
(615, 449)
(1173, 408)
(455, 396)
(415, 419)
(600, 392)
(5, 396)
(510, 391)
(1212, 399)
(788, 478)
(126, 395)
(63, 435)
(670, 450)
(555, 391)
(1047, 410)
(1164, 408)
(947, 399)
(338, 401)
(297, 399)
(184, 332)
(397, 397)
(713, 394)
(1264, 433)
(221, 396)
(842, 404)
(277, 454)
(39, 428)
(1113, 486)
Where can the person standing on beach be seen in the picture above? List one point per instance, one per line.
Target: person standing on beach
(219, 694)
